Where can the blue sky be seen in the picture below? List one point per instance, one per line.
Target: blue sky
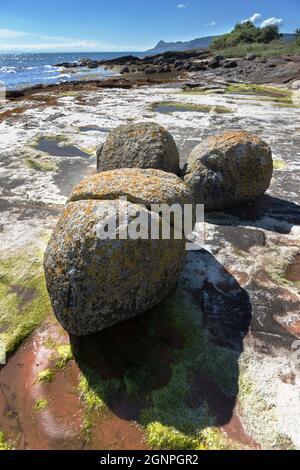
(124, 25)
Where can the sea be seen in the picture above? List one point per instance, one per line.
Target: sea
(24, 69)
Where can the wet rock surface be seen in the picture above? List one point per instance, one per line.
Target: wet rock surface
(224, 347)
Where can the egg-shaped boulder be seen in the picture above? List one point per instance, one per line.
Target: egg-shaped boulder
(98, 272)
(229, 169)
(141, 145)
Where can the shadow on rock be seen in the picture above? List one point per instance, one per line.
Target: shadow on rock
(176, 367)
(267, 212)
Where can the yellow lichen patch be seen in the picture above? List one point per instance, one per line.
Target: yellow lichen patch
(231, 138)
(139, 186)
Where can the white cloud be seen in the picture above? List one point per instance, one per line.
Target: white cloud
(39, 42)
(182, 5)
(211, 23)
(11, 33)
(71, 45)
(272, 22)
(254, 18)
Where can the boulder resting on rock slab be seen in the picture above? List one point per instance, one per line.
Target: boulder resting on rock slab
(95, 282)
(229, 169)
(144, 187)
(142, 145)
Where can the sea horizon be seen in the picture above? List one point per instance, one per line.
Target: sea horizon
(19, 70)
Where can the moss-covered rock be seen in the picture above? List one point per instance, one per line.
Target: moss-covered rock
(143, 145)
(229, 169)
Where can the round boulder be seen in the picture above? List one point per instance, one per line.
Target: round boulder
(230, 64)
(250, 56)
(94, 280)
(143, 145)
(229, 169)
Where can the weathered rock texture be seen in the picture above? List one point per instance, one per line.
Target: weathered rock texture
(144, 187)
(144, 145)
(231, 168)
(94, 282)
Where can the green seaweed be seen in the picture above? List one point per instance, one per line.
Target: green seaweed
(191, 107)
(40, 163)
(24, 300)
(4, 445)
(94, 391)
(63, 355)
(265, 93)
(46, 376)
(41, 405)
(169, 422)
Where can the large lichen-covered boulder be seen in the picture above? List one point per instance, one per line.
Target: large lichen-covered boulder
(145, 187)
(95, 282)
(229, 169)
(142, 145)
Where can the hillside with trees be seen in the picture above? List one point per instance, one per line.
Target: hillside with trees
(248, 38)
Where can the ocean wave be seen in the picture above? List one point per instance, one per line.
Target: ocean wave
(8, 70)
(59, 76)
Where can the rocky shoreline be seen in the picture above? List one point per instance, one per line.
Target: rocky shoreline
(282, 69)
(219, 351)
(175, 67)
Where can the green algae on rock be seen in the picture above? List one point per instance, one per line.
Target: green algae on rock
(41, 405)
(63, 355)
(24, 299)
(260, 90)
(169, 418)
(41, 163)
(45, 376)
(229, 169)
(4, 445)
(176, 106)
(140, 145)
